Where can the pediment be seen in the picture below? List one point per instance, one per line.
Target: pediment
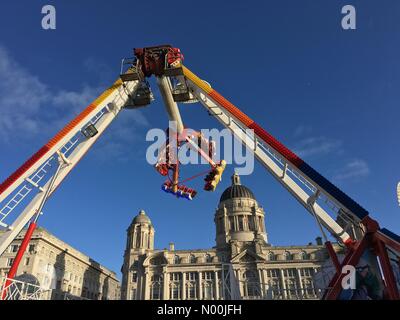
(247, 256)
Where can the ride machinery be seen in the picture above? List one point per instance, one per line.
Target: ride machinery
(25, 192)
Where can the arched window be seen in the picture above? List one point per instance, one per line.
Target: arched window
(287, 255)
(175, 290)
(155, 292)
(303, 255)
(208, 258)
(157, 260)
(192, 259)
(137, 240)
(156, 287)
(271, 256)
(177, 260)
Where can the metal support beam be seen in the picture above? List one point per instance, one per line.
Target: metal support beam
(172, 108)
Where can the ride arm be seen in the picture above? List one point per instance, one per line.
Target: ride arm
(23, 193)
(312, 190)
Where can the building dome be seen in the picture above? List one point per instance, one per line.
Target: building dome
(141, 218)
(236, 190)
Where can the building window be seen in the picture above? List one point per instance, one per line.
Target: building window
(306, 272)
(303, 255)
(191, 276)
(192, 291)
(241, 225)
(208, 258)
(10, 262)
(273, 273)
(156, 287)
(209, 275)
(175, 290)
(133, 297)
(291, 288)
(177, 260)
(175, 276)
(271, 256)
(14, 248)
(27, 261)
(31, 248)
(309, 288)
(155, 291)
(289, 273)
(251, 284)
(175, 286)
(287, 255)
(192, 259)
(134, 277)
(208, 290)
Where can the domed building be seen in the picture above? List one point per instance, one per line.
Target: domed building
(242, 265)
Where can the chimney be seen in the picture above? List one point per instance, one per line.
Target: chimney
(171, 246)
(318, 240)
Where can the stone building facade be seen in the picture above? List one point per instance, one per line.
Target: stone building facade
(242, 265)
(61, 270)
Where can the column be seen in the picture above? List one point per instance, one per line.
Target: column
(239, 285)
(183, 286)
(200, 286)
(261, 279)
(284, 293)
(267, 290)
(216, 297)
(165, 285)
(146, 287)
(302, 292)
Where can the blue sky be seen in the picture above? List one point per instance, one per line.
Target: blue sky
(329, 94)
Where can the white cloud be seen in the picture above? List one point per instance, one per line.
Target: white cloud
(21, 96)
(302, 130)
(29, 107)
(353, 170)
(317, 146)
